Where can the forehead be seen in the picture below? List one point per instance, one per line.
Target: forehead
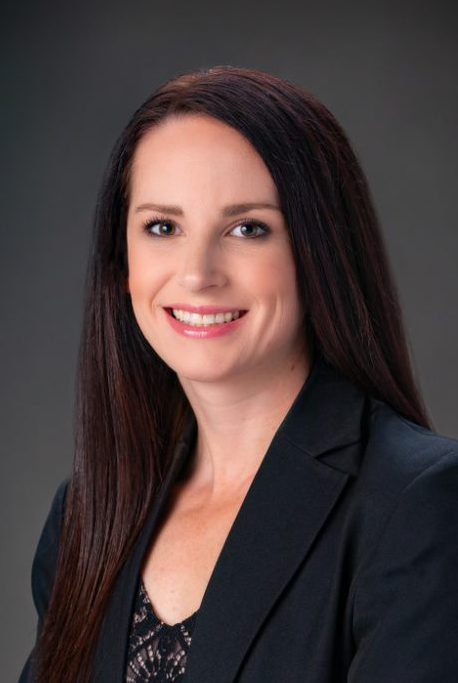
(196, 154)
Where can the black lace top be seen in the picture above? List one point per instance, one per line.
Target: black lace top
(156, 651)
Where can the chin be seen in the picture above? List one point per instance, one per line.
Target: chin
(203, 373)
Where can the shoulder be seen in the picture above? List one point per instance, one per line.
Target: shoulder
(45, 558)
(398, 451)
(408, 475)
(405, 597)
(403, 461)
(53, 524)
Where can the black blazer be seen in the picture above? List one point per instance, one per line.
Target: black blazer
(341, 565)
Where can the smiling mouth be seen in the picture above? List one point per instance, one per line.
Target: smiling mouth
(205, 320)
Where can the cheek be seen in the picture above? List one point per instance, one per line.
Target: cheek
(143, 273)
(275, 278)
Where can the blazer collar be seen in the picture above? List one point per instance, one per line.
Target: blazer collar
(314, 453)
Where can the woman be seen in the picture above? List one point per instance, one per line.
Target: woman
(257, 494)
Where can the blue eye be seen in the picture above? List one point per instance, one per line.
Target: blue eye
(255, 229)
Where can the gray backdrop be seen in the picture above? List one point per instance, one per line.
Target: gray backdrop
(72, 75)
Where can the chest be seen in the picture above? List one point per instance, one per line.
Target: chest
(183, 552)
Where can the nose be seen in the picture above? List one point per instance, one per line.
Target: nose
(200, 267)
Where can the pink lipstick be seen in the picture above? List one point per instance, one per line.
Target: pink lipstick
(204, 322)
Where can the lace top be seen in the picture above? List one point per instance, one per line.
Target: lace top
(156, 651)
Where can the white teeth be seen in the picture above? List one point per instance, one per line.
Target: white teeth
(208, 319)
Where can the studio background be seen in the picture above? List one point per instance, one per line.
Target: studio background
(73, 73)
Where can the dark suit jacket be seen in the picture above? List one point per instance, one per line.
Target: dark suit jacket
(342, 563)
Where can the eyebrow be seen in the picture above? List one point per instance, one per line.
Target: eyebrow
(231, 210)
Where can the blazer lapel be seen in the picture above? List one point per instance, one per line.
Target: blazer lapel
(292, 494)
(314, 453)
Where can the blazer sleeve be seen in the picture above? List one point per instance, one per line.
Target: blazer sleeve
(405, 618)
(44, 568)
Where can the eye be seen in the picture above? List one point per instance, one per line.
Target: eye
(160, 228)
(249, 228)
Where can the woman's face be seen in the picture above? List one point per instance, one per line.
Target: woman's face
(193, 249)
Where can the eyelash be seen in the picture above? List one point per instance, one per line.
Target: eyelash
(244, 221)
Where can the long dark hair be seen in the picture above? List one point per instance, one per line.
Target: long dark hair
(124, 436)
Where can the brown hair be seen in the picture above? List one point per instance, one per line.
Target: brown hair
(124, 437)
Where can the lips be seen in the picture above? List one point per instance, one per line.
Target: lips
(189, 316)
(187, 322)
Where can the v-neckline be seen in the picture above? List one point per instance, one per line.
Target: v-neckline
(185, 622)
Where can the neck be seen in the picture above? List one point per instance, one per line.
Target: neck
(236, 421)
